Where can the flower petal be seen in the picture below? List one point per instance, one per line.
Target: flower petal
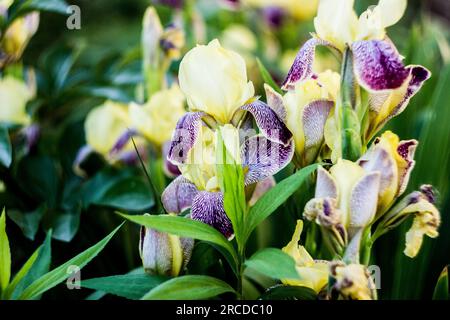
(314, 118)
(169, 168)
(178, 195)
(378, 65)
(301, 69)
(326, 185)
(275, 101)
(184, 136)
(261, 188)
(208, 208)
(363, 200)
(263, 158)
(406, 150)
(268, 122)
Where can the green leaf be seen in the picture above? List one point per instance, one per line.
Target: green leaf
(36, 266)
(188, 288)
(5, 254)
(275, 197)
(28, 222)
(267, 77)
(5, 147)
(273, 263)
(184, 227)
(130, 286)
(59, 274)
(441, 291)
(20, 8)
(231, 181)
(282, 292)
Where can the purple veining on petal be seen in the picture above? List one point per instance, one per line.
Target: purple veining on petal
(314, 117)
(364, 199)
(268, 122)
(419, 75)
(122, 141)
(406, 149)
(428, 192)
(170, 169)
(377, 65)
(301, 69)
(178, 195)
(263, 158)
(208, 208)
(184, 136)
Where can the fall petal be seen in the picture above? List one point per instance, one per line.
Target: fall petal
(178, 195)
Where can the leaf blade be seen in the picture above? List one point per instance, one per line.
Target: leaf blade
(5, 254)
(267, 77)
(273, 263)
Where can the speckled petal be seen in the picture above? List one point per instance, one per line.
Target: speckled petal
(170, 169)
(207, 207)
(406, 149)
(268, 122)
(378, 65)
(363, 200)
(263, 158)
(301, 69)
(184, 136)
(178, 195)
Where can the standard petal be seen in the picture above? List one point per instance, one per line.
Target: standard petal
(208, 208)
(275, 101)
(184, 136)
(268, 122)
(314, 118)
(378, 65)
(301, 69)
(263, 158)
(326, 185)
(363, 200)
(178, 195)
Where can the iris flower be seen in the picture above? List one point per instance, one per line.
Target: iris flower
(377, 65)
(221, 99)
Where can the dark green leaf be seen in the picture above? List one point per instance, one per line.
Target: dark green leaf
(65, 225)
(28, 222)
(188, 288)
(282, 292)
(441, 291)
(130, 286)
(5, 147)
(276, 196)
(273, 263)
(5, 254)
(59, 274)
(267, 77)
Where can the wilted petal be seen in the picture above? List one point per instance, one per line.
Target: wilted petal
(184, 136)
(268, 122)
(363, 200)
(324, 211)
(178, 195)
(378, 65)
(326, 185)
(207, 207)
(263, 158)
(301, 69)
(315, 116)
(275, 101)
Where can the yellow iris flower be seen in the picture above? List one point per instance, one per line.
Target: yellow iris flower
(14, 95)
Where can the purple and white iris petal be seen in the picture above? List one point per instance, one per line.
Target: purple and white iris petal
(184, 136)
(261, 188)
(169, 168)
(263, 158)
(314, 117)
(406, 150)
(419, 75)
(178, 195)
(268, 122)
(275, 101)
(122, 141)
(378, 159)
(207, 207)
(326, 185)
(301, 69)
(364, 199)
(378, 65)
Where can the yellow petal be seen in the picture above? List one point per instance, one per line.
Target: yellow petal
(336, 22)
(391, 11)
(14, 95)
(214, 80)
